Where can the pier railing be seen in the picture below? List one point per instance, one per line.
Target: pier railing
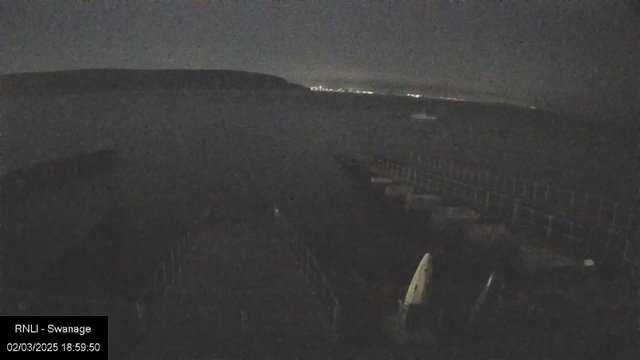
(314, 276)
(166, 274)
(580, 204)
(517, 199)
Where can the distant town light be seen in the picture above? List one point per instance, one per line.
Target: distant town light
(349, 90)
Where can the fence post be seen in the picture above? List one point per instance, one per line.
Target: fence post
(179, 257)
(572, 198)
(155, 282)
(626, 249)
(243, 321)
(306, 252)
(173, 271)
(486, 203)
(600, 208)
(185, 247)
(164, 279)
(516, 210)
(571, 233)
(140, 312)
(589, 240)
(301, 252)
(336, 317)
(464, 193)
(546, 193)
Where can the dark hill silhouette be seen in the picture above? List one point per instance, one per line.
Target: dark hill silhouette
(104, 80)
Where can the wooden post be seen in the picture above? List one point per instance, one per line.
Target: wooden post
(589, 240)
(173, 264)
(464, 193)
(571, 235)
(546, 193)
(585, 206)
(155, 283)
(486, 203)
(516, 210)
(336, 318)
(600, 208)
(164, 279)
(625, 250)
(308, 260)
(140, 306)
(302, 252)
(560, 199)
(243, 321)
(572, 198)
(179, 257)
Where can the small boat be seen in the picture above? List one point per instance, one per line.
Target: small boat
(423, 116)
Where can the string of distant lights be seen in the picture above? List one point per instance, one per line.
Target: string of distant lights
(368, 92)
(356, 91)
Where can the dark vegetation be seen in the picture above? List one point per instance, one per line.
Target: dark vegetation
(47, 256)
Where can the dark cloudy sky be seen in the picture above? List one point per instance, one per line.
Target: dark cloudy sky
(583, 55)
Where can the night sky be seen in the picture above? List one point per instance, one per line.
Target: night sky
(580, 56)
